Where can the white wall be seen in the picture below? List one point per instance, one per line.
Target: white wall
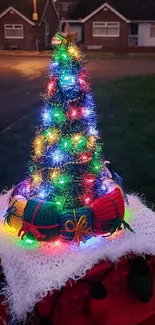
(75, 28)
(144, 38)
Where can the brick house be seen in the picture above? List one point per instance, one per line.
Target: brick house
(19, 31)
(114, 24)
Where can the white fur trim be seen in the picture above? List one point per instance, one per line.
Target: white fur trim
(31, 274)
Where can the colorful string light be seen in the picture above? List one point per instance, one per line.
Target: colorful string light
(57, 157)
(54, 174)
(74, 52)
(52, 136)
(75, 113)
(85, 157)
(47, 118)
(63, 181)
(79, 141)
(87, 199)
(36, 178)
(91, 141)
(38, 146)
(67, 80)
(59, 116)
(51, 87)
(66, 144)
(88, 180)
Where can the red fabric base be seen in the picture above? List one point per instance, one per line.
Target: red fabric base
(4, 319)
(73, 305)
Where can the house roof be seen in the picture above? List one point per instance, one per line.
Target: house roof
(25, 7)
(137, 10)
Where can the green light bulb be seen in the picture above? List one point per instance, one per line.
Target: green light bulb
(47, 132)
(63, 181)
(98, 151)
(62, 55)
(66, 144)
(59, 116)
(59, 202)
(81, 144)
(96, 166)
(30, 244)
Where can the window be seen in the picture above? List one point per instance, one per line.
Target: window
(106, 29)
(152, 30)
(13, 31)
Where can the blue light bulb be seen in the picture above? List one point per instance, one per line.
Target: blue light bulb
(42, 194)
(67, 80)
(88, 112)
(92, 131)
(55, 64)
(44, 191)
(46, 117)
(57, 156)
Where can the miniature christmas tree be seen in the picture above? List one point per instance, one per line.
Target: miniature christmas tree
(70, 192)
(68, 167)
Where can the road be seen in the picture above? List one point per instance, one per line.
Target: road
(22, 79)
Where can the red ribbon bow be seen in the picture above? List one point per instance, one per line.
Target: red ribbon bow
(28, 227)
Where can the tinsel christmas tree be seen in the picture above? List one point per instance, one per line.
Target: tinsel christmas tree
(68, 166)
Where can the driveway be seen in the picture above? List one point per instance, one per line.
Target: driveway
(110, 69)
(23, 79)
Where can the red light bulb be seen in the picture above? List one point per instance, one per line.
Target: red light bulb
(82, 82)
(72, 113)
(85, 157)
(87, 199)
(81, 112)
(75, 113)
(51, 87)
(89, 180)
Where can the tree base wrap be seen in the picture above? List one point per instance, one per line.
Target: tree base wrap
(32, 269)
(40, 221)
(76, 225)
(107, 210)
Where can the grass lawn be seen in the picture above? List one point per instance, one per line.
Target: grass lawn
(126, 111)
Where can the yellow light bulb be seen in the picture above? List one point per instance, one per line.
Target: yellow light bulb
(38, 152)
(38, 145)
(77, 54)
(53, 136)
(71, 50)
(76, 138)
(36, 178)
(39, 141)
(54, 174)
(91, 142)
